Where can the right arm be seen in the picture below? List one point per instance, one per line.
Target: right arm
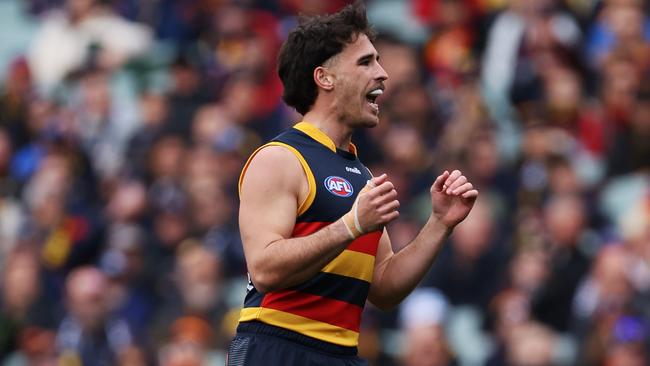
(272, 189)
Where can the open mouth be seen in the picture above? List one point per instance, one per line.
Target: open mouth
(372, 97)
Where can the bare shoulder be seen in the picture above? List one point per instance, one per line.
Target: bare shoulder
(277, 156)
(272, 169)
(271, 189)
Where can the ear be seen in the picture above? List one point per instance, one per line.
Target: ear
(323, 78)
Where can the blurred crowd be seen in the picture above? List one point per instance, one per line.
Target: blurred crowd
(124, 125)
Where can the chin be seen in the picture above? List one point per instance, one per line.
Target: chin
(371, 121)
(366, 123)
(365, 119)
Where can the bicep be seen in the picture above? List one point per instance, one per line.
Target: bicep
(270, 193)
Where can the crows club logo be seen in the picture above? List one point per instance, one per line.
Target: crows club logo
(338, 186)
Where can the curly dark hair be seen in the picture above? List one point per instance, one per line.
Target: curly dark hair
(315, 40)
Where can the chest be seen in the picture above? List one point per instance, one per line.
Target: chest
(338, 181)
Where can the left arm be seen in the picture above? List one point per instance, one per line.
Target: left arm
(397, 274)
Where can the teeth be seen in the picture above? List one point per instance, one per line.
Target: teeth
(376, 92)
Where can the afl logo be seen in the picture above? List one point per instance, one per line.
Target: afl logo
(338, 186)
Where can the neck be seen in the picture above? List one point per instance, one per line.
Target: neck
(335, 129)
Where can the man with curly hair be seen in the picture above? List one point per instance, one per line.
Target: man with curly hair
(312, 217)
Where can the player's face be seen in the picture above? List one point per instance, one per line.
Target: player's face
(359, 81)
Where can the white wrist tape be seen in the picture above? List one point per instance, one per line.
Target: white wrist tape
(352, 236)
(351, 219)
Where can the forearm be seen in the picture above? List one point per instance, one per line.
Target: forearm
(402, 271)
(288, 262)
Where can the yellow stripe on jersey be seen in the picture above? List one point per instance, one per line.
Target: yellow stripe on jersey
(304, 206)
(309, 327)
(318, 135)
(352, 264)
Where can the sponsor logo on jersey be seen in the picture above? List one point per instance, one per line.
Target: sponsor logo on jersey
(354, 170)
(338, 186)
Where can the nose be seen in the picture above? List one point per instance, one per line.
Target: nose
(382, 75)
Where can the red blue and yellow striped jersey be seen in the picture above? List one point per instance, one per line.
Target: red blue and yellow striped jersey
(329, 305)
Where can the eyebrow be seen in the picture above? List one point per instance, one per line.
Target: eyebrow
(367, 57)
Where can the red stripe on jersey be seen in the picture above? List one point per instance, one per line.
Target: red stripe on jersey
(367, 243)
(306, 228)
(364, 244)
(322, 309)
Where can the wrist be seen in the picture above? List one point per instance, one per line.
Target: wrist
(351, 223)
(439, 225)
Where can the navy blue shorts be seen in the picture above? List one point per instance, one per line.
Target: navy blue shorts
(261, 344)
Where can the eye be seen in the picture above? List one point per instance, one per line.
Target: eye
(365, 61)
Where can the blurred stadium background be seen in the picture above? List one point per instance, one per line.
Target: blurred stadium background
(124, 125)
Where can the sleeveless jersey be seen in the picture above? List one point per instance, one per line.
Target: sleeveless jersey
(329, 305)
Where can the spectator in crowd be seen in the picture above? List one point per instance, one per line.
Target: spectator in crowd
(89, 333)
(426, 346)
(14, 102)
(468, 271)
(127, 203)
(196, 291)
(565, 221)
(102, 125)
(23, 303)
(628, 345)
(509, 309)
(190, 344)
(11, 216)
(154, 113)
(125, 266)
(422, 318)
(36, 347)
(603, 298)
(620, 24)
(83, 31)
(530, 344)
(629, 153)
